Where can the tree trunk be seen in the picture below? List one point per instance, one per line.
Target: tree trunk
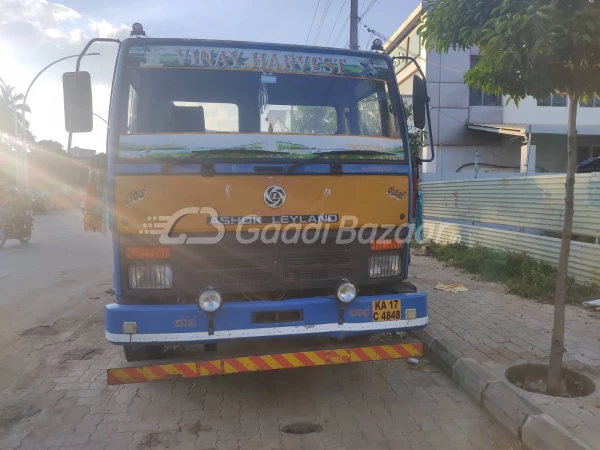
(558, 332)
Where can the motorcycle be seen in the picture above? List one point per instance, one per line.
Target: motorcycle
(12, 227)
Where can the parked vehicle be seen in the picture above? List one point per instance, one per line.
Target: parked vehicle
(335, 146)
(14, 227)
(589, 165)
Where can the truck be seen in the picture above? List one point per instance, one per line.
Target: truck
(255, 191)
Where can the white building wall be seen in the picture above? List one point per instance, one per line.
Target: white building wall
(451, 113)
(530, 113)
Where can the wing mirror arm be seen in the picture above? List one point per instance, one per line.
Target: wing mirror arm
(420, 100)
(81, 55)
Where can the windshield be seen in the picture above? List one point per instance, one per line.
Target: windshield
(258, 110)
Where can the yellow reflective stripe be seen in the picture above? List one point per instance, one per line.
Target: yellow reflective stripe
(170, 369)
(249, 365)
(412, 350)
(122, 376)
(314, 358)
(148, 374)
(202, 371)
(391, 351)
(295, 362)
(371, 354)
(228, 368)
(271, 362)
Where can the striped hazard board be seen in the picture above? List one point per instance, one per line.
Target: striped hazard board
(170, 371)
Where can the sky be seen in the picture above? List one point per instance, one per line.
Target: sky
(34, 33)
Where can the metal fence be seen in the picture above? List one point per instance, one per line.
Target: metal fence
(474, 212)
(528, 202)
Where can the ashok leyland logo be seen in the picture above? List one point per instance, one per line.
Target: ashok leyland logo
(274, 197)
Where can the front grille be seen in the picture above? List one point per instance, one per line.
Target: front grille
(251, 278)
(231, 263)
(311, 261)
(259, 268)
(311, 275)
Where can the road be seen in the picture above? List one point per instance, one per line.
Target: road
(53, 357)
(49, 287)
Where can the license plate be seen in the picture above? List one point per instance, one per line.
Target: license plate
(384, 310)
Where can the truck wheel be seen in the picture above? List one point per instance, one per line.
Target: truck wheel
(142, 352)
(404, 288)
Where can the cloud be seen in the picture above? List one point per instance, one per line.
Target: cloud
(34, 33)
(40, 11)
(105, 29)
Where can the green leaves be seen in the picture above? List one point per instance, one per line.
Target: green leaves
(527, 47)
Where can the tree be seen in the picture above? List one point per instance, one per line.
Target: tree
(529, 48)
(313, 119)
(51, 146)
(416, 137)
(11, 106)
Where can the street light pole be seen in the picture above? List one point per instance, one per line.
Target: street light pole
(24, 155)
(47, 67)
(101, 118)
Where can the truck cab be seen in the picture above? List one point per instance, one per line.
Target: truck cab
(255, 191)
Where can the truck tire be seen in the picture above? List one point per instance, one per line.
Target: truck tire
(142, 352)
(404, 288)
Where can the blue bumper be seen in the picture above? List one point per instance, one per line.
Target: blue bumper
(178, 324)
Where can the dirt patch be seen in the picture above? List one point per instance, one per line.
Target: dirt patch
(40, 330)
(15, 413)
(197, 427)
(532, 378)
(161, 439)
(80, 354)
(302, 428)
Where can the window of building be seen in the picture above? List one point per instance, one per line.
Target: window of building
(553, 100)
(479, 98)
(592, 102)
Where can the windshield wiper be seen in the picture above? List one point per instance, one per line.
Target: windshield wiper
(321, 155)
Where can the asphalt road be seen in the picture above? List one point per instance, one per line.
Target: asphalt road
(49, 286)
(53, 391)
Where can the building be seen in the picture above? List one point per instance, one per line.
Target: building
(82, 152)
(476, 130)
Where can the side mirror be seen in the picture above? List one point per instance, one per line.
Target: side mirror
(77, 91)
(420, 101)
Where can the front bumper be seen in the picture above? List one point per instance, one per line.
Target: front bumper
(187, 323)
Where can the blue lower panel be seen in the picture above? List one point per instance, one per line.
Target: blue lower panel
(188, 324)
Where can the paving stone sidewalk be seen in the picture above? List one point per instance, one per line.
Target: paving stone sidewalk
(66, 404)
(499, 330)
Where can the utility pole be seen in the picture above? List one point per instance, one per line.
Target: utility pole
(354, 24)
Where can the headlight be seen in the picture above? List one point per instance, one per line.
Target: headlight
(210, 300)
(153, 276)
(346, 292)
(384, 266)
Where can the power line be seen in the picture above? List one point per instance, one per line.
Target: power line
(369, 39)
(362, 16)
(322, 21)
(340, 33)
(336, 21)
(313, 21)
